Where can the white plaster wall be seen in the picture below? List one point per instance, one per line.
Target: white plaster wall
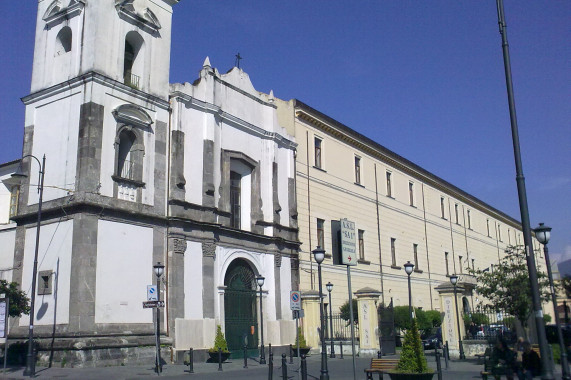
(124, 269)
(7, 242)
(6, 172)
(55, 135)
(193, 281)
(285, 276)
(54, 254)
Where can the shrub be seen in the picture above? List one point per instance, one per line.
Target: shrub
(345, 312)
(412, 359)
(219, 341)
(301, 342)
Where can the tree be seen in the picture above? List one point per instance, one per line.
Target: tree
(507, 288)
(566, 283)
(19, 302)
(412, 359)
(345, 312)
(426, 319)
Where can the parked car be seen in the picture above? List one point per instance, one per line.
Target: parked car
(552, 336)
(432, 339)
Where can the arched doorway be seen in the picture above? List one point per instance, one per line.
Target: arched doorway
(240, 308)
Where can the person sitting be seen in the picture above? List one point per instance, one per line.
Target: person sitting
(503, 360)
(530, 363)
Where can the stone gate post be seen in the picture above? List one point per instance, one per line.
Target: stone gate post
(367, 299)
(449, 324)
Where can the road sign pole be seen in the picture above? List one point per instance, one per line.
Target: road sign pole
(351, 319)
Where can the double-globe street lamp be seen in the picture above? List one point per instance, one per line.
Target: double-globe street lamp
(319, 255)
(159, 270)
(543, 234)
(329, 287)
(30, 369)
(454, 281)
(408, 268)
(260, 281)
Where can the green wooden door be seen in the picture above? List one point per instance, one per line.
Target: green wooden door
(240, 309)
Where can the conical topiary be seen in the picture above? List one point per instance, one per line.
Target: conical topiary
(301, 341)
(219, 341)
(412, 359)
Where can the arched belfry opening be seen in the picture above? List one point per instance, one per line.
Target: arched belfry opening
(133, 59)
(240, 308)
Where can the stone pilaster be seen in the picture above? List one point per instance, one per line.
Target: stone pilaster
(368, 321)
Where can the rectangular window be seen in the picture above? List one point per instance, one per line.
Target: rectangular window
(460, 262)
(318, 142)
(446, 261)
(473, 265)
(499, 232)
(488, 226)
(320, 233)
(509, 238)
(14, 195)
(411, 193)
(45, 282)
(235, 197)
(358, 170)
(442, 207)
(361, 244)
(456, 212)
(415, 250)
(469, 220)
(389, 185)
(393, 252)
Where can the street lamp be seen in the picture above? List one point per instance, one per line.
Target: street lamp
(408, 267)
(260, 280)
(319, 255)
(329, 287)
(454, 281)
(543, 234)
(30, 369)
(159, 270)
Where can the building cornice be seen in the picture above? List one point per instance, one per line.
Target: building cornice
(351, 137)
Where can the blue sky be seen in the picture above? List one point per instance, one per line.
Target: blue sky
(423, 78)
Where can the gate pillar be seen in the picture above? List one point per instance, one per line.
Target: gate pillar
(449, 322)
(311, 319)
(367, 299)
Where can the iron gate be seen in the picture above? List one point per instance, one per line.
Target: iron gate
(387, 329)
(240, 309)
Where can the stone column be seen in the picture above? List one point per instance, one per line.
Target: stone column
(311, 319)
(449, 324)
(367, 299)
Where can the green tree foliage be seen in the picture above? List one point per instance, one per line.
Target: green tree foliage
(345, 313)
(566, 284)
(480, 319)
(426, 319)
(301, 342)
(412, 359)
(507, 288)
(219, 341)
(19, 302)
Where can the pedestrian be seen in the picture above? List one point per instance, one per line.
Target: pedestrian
(503, 360)
(530, 363)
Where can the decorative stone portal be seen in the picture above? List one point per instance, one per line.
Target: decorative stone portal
(368, 321)
(449, 323)
(240, 313)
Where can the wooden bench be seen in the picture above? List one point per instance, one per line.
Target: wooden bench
(484, 356)
(380, 366)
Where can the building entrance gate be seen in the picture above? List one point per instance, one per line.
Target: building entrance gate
(240, 309)
(387, 329)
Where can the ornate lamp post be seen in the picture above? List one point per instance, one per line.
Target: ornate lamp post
(408, 267)
(30, 369)
(543, 234)
(159, 270)
(319, 255)
(329, 287)
(454, 280)
(260, 280)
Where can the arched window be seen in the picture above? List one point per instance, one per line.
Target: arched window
(133, 60)
(63, 41)
(126, 157)
(235, 199)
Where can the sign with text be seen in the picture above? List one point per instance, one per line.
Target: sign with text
(3, 317)
(295, 300)
(152, 293)
(153, 304)
(348, 241)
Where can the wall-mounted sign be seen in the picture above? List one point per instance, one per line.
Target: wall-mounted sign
(3, 317)
(348, 243)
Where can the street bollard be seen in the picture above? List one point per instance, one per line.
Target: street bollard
(290, 354)
(190, 361)
(303, 368)
(341, 349)
(284, 367)
(271, 364)
(445, 353)
(219, 359)
(245, 356)
(438, 365)
(378, 354)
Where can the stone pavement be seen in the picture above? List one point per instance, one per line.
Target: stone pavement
(339, 369)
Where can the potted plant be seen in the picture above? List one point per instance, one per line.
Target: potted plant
(300, 341)
(219, 343)
(412, 363)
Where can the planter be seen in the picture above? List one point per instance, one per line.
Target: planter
(214, 357)
(302, 351)
(411, 376)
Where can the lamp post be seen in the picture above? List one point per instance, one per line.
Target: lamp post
(408, 267)
(159, 270)
(329, 287)
(30, 369)
(454, 281)
(260, 280)
(543, 234)
(319, 255)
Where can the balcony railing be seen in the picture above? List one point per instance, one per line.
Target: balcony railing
(127, 169)
(131, 80)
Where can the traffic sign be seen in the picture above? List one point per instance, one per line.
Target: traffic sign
(295, 300)
(152, 293)
(348, 243)
(153, 304)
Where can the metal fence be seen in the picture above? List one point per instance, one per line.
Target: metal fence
(341, 328)
(490, 324)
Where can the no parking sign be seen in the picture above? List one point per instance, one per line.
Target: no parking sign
(295, 300)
